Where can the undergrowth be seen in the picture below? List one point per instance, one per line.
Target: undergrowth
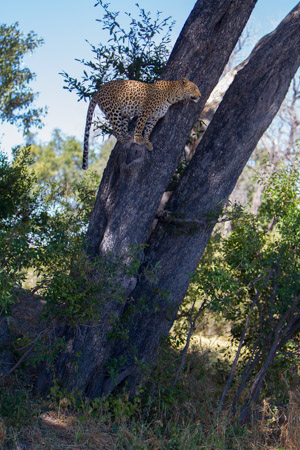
(164, 415)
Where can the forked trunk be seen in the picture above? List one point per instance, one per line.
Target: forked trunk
(135, 179)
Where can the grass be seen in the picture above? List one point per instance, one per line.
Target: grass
(180, 417)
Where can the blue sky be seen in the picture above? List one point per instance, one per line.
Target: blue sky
(65, 25)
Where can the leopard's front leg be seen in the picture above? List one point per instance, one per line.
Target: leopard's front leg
(148, 130)
(138, 132)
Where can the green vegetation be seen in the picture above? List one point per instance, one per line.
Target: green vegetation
(16, 97)
(138, 53)
(228, 376)
(180, 417)
(249, 277)
(42, 232)
(45, 207)
(131, 54)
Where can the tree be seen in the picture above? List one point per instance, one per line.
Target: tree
(41, 228)
(112, 351)
(56, 165)
(16, 97)
(17, 210)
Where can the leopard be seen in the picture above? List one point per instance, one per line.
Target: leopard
(123, 100)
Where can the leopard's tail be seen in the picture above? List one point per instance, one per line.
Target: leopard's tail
(89, 118)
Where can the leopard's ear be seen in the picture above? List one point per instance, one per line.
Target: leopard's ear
(184, 80)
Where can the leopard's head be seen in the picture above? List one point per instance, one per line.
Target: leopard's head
(190, 90)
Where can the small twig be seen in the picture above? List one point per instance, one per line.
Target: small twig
(251, 363)
(22, 357)
(188, 339)
(278, 334)
(2, 318)
(40, 286)
(234, 365)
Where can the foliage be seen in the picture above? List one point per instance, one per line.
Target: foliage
(259, 258)
(171, 412)
(73, 296)
(42, 222)
(16, 97)
(132, 54)
(19, 219)
(45, 209)
(14, 407)
(41, 236)
(57, 167)
(250, 277)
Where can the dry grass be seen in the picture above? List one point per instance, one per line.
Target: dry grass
(290, 431)
(184, 428)
(181, 417)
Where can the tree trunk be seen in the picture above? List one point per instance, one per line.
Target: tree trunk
(134, 181)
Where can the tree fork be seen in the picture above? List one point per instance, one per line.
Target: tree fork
(135, 179)
(246, 111)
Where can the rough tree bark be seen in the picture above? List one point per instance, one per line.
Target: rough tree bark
(246, 111)
(134, 181)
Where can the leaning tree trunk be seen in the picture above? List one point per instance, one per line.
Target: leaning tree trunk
(182, 233)
(134, 181)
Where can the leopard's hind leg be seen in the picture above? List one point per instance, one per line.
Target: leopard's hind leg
(119, 124)
(124, 128)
